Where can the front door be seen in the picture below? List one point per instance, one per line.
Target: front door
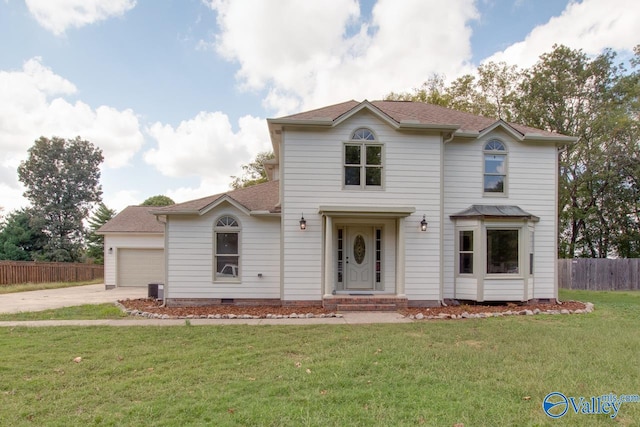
(359, 263)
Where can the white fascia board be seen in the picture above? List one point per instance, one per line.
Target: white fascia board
(361, 211)
(221, 200)
(561, 139)
(505, 126)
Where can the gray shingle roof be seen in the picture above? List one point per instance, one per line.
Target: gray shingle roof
(133, 219)
(261, 197)
(418, 112)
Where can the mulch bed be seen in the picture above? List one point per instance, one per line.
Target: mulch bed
(149, 305)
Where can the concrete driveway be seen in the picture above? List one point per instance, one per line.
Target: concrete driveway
(66, 297)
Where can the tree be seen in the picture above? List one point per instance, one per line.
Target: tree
(158, 200)
(62, 180)
(570, 93)
(431, 92)
(591, 98)
(254, 172)
(95, 242)
(21, 236)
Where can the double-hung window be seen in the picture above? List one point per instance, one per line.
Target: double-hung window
(226, 247)
(495, 168)
(465, 252)
(363, 161)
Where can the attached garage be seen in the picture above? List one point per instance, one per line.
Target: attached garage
(133, 248)
(139, 267)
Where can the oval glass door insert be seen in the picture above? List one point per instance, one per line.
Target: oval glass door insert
(359, 249)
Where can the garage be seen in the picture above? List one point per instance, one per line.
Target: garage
(139, 267)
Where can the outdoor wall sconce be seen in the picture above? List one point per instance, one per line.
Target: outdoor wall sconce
(110, 251)
(303, 223)
(423, 223)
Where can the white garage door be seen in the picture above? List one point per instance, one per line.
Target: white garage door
(139, 267)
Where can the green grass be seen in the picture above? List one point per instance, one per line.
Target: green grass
(80, 312)
(479, 372)
(25, 287)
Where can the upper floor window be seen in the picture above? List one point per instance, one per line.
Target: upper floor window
(495, 167)
(363, 161)
(226, 247)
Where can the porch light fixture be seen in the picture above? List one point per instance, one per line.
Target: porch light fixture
(110, 251)
(423, 223)
(303, 223)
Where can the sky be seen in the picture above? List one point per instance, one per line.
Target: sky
(176, 93)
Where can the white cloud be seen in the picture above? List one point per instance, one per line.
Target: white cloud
(59, 15)
(207, 147)
(308, 53)
(32, 104)
(591, 25)
(121, 199)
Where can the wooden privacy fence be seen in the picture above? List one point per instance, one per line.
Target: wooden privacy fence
(12, 272)
(599, 274)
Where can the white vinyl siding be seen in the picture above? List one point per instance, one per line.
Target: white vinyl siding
(532, 186)
(312, 176)
(191, 256)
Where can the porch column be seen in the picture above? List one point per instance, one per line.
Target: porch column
(328, 256)
(400, 265)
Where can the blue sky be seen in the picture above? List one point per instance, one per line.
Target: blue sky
(176, 92)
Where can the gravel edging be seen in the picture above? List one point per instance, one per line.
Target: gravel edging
(589, 307)
(149, 315)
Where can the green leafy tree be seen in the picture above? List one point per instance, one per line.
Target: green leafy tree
(21, 236)
(62, 180)
(158, 200)
(95, 242)
(432, 91)
(591, 98)
(254, 172)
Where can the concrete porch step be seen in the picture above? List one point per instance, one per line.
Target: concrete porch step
(366, 307)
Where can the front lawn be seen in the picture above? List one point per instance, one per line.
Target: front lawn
(477, 372)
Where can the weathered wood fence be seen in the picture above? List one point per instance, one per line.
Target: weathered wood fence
(599, 274)
(12, 272)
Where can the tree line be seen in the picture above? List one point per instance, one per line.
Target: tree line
(62, 181)
(568, 92)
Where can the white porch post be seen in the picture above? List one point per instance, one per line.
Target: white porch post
(400, 264)
(328, 256)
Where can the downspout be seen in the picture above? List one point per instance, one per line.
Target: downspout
(166, 263)
(555, 280)
(444, 142)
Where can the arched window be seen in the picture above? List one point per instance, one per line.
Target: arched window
(495, 167)
(226, 247)
(363, 161)
(363, 134)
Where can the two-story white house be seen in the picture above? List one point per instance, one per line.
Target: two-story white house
(382, 203)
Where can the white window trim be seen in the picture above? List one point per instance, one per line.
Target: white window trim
(363, 166)
(227, 229)
(505, 153)
(485, 250)
(474, 251)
